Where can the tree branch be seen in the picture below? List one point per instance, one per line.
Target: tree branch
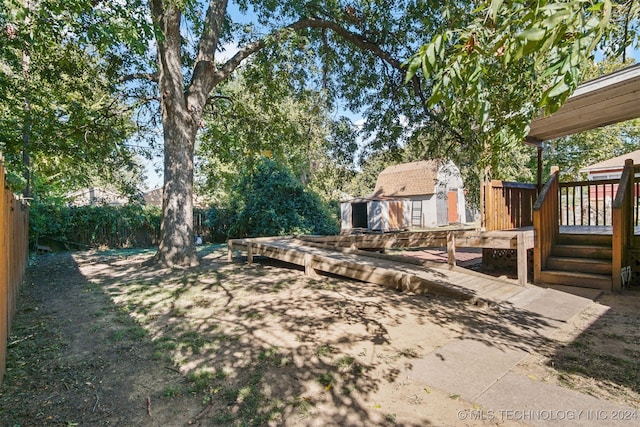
(415, 81)
(152, 77)
(203, 80)
(356, 39)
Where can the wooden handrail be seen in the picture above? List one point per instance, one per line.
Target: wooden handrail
(512, 184)
(545, 224)
(622, 221)
(579, 183)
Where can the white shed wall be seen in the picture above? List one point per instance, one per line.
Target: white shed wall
(375, 215)
(345, 216)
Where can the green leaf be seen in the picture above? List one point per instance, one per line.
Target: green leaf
(431, 54)
(532, 34)
(434, 98)
(412, 69)
(495, 8)
(439, 45)
(560, 88)
(555, 19)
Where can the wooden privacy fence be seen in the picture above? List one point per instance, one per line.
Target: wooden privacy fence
(14, 251)
(508, 205)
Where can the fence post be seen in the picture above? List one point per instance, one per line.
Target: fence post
(4, 277)
(451, 248)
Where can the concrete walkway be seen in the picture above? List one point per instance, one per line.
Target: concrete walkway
(478, 368)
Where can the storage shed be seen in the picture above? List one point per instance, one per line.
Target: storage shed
(420, 194)
(375, 213)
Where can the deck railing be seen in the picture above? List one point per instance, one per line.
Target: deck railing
(508, 205)
(623, 224)
(587, 203)
(545, 224)
(636, 196)
(14, 230)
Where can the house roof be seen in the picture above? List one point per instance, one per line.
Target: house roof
(96, 195)
(408, 179)
(153, 197)
(613, 163)
(603, 101)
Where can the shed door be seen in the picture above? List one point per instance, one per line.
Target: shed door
(359, 215)
(396, 215)
(452, 205)
(416, 213)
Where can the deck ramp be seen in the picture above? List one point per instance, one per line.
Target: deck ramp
(401, 273)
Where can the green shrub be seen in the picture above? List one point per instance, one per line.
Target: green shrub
(129, 225)
(271, 202)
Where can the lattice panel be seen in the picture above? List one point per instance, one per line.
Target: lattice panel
(505, 260)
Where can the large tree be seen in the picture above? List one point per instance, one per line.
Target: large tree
(62, 122)
(356, 43)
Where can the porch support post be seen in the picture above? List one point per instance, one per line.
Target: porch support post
(523, 265)
(451, 248)
(539, 182)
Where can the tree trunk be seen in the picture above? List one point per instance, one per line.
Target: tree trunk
(177, 245)
(180, 124)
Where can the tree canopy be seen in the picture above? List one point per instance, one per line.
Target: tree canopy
(531, 52)
(446, 100)
(62, 121)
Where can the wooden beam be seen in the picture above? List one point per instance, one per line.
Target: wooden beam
(521, 258)
(451, 248)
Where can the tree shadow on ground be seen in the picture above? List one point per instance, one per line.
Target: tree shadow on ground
(75, 358)
(604, 359)
(234, 344)
(264, 342)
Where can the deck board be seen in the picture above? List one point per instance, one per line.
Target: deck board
(444, 280)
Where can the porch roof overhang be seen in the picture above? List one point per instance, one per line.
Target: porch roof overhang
(603, 101)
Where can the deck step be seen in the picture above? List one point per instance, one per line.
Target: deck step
(583, 265)
(584, 280)
(585, 239)
(582, 251)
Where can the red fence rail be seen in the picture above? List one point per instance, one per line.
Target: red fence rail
(14, 252)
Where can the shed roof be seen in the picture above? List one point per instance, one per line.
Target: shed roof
(613, 163)
(408, 179)
(603, 101)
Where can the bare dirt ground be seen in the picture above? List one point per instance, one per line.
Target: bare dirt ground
(101, 339)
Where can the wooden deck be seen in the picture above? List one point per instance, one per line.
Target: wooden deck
(398, 272)
(520, 239)
(592, 229)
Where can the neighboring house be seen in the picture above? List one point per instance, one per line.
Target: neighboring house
(410, 195)
(153, 197)
(611, 168)
(96, 196)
